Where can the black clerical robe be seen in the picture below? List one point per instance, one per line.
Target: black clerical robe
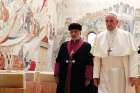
(74, 70)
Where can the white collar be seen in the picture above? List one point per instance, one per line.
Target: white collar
(112, 32)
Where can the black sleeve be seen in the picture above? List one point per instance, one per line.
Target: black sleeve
(139, 51)
(59, 56)
(89, 64)
(89, 55)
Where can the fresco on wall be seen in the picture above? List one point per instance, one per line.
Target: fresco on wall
(23, 26)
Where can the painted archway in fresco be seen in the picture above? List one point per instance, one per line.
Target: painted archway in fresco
(91, 38)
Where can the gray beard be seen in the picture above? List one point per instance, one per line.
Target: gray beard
(76, 38)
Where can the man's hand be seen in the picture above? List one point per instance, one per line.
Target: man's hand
(132, 81)
(96, 81)
(87, 82)
(56, 79)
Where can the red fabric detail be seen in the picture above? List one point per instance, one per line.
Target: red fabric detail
(68, 79)
(71, 47)
(89, 72)
(32, 66)
(56, 69)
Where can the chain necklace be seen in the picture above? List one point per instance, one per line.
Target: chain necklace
(111, 38)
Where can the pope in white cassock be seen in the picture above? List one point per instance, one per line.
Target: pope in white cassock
(115, 67)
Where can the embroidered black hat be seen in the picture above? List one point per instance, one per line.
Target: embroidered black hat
(73, 26)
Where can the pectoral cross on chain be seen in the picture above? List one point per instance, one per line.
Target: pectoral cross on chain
(109, 51)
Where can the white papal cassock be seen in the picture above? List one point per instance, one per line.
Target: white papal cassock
(114, 67)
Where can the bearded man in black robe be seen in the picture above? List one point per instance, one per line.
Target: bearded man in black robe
(74, 64)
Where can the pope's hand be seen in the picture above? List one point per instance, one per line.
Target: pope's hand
(96, 81)
(132, 81)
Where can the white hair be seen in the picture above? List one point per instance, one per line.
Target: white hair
(114, 14)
